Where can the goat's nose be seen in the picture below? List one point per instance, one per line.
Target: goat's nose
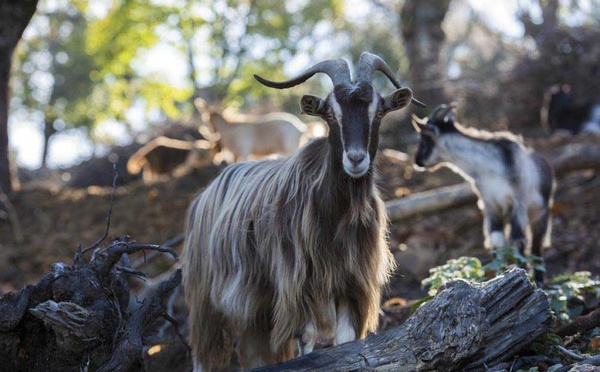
(356, 157)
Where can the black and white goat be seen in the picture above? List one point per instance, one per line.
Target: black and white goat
(515, 186)
(560, 112)
(280, 252)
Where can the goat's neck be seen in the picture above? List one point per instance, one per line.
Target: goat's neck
(220, 124)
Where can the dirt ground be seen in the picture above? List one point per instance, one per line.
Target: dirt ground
(55, 222)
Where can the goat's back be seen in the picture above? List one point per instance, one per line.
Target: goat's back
(276, 133)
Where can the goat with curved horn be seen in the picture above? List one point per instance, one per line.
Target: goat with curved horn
(280, 254)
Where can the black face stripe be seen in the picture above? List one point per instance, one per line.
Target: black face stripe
(356, 126)
(354, 102)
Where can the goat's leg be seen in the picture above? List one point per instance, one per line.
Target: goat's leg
(518, 229)
(345, 330)
(308, 339)
(319, 332)
(541, 229)
(493, 230)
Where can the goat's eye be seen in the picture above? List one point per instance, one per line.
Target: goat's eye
(330, 116)
(380, 114)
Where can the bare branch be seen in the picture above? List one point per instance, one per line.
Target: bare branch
(112, 196)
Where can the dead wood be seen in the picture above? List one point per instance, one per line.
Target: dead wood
(127, 355)
(430, 201)
(581, 324)
(566, 159)
(576, 156)
(77, 316)
(172, 243)
(585, 365)
(465, 327)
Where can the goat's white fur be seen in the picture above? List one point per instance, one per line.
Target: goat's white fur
(344, 331)
(244, 135)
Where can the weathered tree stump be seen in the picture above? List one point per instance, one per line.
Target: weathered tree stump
(463, 327)
(75, 318)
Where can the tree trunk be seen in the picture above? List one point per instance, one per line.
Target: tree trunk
(465, 327)
(421, 27)
(5, 56)
(14, 17)
(48, 132)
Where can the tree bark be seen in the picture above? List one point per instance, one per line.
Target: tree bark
(465, 327)
(14, 17)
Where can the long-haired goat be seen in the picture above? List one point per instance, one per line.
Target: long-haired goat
(560, 112)
(274, 133)
(280, 252)
(515, 186)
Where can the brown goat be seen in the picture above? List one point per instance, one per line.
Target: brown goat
(161, 156)
(280, 252)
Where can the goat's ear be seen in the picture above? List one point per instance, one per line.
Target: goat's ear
(397, 99)
(312, 105)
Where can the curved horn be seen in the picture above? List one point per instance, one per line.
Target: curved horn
(337, 70)
(369, 63)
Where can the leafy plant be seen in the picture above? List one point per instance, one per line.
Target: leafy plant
(468, 268)
(471, 268)
(570, 294)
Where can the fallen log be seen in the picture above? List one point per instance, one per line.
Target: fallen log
(581, 324)
(575, 157)
(430, 201)
(464, 327)
(567, 159)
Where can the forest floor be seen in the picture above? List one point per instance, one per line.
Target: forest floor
(54, 222)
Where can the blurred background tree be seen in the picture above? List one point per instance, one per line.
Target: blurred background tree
(14, 17)
(112, 68)
(52, 74)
